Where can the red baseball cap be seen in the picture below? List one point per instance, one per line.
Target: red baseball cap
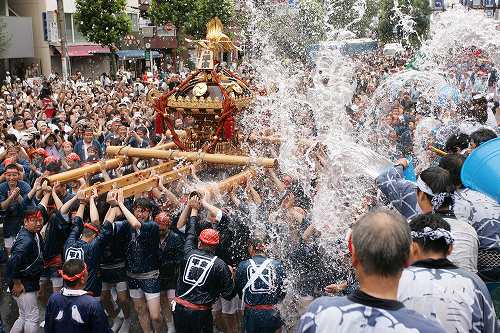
(210, 237)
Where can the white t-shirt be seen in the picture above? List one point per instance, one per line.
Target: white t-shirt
(465, 246)
(85, 147)
(18, 134)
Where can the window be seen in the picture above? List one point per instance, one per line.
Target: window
(73, 33)
(134, 18)
(69, 27)
(79, 37)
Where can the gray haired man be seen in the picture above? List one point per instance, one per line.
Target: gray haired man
(380, 250)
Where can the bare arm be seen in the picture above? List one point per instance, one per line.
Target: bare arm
(23, 154)
(211, 208)
(94, 214)
(56, 198)
(234, 197)
(83, 202)
(14, 195)
(131, 219)
(172, 198)
(183, 218)
(81, 209)
(309, 232)
(111, 214)
(45, 199)
(66, 206)
(252, 193)
(193, 173)
(277, 182)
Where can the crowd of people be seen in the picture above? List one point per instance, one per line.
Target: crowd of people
(171, 250)
(181, 259)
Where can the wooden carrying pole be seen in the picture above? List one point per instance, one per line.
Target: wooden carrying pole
(70, 175)
(150, 183)
(438, 151)
(129, 179)
(191, 156)
(276, 140)
(227, 184)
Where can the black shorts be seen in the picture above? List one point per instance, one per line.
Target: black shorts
(262, 321)
(166, 284)
(189, 321)
(114, 275)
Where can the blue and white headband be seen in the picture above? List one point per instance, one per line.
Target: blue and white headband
(432, 234)
(437, 199)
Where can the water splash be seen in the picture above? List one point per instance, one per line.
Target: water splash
(307, 105)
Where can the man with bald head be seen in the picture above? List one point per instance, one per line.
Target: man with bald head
(380, 250)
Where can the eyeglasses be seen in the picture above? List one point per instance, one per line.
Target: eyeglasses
(141, 210)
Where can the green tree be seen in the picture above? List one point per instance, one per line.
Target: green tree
(175, 11)
(389, 29)
(204, 10)
(103, 22)
(190, 16)
(293, 29)
(344, 14)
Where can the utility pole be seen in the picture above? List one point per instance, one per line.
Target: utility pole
(61, 26)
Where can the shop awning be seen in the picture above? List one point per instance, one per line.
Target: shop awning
(84, 50)
(134, 54)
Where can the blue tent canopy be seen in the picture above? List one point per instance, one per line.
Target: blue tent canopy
(134, 54)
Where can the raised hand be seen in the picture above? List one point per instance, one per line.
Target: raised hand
(82, 197)
(94, 194)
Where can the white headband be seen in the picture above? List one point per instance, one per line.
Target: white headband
(432, 234)
(422, 186)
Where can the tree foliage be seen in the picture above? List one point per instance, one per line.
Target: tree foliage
(389, 29)
(348, 14)
(103, 22)
(292, 29)
(206, 10)
(190, 16)
(175, 11)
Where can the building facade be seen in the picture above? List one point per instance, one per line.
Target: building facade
(38, 19)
